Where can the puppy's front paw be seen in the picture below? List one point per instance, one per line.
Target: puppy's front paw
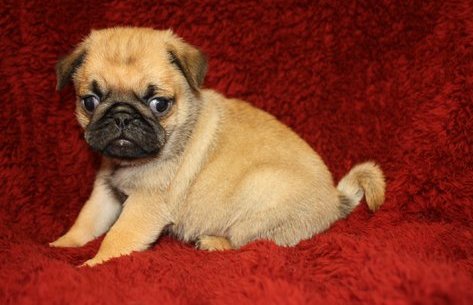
(213, 243)
(91, 262)
(69, 240)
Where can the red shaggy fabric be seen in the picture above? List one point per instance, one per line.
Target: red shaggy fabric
(390, 81)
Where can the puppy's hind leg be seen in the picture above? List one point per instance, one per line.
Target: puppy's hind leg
(213, 243)
(95, 218)
(286, 214)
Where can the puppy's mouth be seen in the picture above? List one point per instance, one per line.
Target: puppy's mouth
(123, 133)
(123, 148)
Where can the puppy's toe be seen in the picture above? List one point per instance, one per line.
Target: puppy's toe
(67, 241)
(213, 243)
(91, 263)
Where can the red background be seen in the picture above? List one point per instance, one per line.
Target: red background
(359, 80)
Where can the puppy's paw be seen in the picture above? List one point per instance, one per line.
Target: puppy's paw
(213, 243)
(91, 262)
(69, 241)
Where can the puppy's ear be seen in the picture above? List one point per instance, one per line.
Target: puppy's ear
(67, 65)
(190, 61)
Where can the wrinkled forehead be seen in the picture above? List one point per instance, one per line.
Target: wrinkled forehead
(125, 62)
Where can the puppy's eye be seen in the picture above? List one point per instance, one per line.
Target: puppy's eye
(90, 103)
(160, 105)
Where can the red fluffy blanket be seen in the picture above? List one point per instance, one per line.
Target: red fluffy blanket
(390, 81)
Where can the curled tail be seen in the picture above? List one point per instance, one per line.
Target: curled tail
(364, 179)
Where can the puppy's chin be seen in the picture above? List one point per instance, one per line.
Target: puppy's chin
(124, 149)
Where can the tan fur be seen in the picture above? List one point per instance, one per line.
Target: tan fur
(367, 179)
(241, 175)
(213, 243)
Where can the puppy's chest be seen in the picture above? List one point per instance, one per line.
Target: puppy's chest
(129, 180)
(188, 214)
(123, 183)
(188, 211)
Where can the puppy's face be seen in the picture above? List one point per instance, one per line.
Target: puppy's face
(135, 88)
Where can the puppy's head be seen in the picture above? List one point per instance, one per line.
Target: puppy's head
(135, 87)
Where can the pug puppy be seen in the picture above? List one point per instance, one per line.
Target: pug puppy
(189, 161)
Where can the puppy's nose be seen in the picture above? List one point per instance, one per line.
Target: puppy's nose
(122, 114)
(122, 119)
